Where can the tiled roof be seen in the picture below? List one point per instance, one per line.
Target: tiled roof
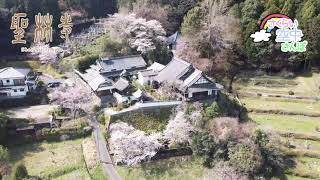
(174, 69)
(147, 73)
(121, 84)
(121, 63)
(11, 72)
(191, 79)
(95, 79)
(173, 38)
(156, 67)
(184, 76)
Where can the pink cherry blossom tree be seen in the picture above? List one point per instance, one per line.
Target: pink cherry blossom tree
(131, 146)
(140, 33)
(74, 98)
(178, 130)
(46, 54)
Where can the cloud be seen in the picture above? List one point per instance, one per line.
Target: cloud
(260, 36)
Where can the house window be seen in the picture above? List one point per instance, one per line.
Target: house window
(15, 90)
(18, 82)
(21, 89)
(8, 81)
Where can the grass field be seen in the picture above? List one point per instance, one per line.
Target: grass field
(281, 104)
(287, 123)
(272, 119)
(186, 168)
(58, 160)
(94, 48)
(306, 167)
(306, 85)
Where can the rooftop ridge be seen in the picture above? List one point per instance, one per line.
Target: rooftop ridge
(120, 57)
(182, 61)
(4, 69)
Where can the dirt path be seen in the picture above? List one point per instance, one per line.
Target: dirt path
(102, 150)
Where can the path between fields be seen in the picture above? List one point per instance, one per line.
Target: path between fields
(102, 150)
(250, 94)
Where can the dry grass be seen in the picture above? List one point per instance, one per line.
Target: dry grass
(90, 153)
(307, 85)
(53, 159)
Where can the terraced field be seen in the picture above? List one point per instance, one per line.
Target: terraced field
(299, 118)
(54, 160)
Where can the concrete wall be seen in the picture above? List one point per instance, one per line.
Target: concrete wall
(155, 108)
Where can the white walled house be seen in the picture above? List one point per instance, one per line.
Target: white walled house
(147, 77)
(15, 82)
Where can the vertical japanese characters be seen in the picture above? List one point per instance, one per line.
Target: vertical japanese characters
(66, 25)
(19, 23)
(43, 31)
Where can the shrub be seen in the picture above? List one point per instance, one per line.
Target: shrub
(231, 107)
(3, 127)
(245, 158)
(116, 48)
(213, 111)
(260, 138)
(222, 171)
(85, 62)
(102, 119)
(96, 108)
(161, 55)
(204, 145)
(226, 129)
(287, 74)
(40, 83)
(60, 111)
(291, 93)
(4, 154)
(19, 172)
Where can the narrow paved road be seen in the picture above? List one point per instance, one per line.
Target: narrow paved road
(102, 150)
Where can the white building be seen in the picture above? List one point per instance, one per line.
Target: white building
(146, 77)
(15, 82)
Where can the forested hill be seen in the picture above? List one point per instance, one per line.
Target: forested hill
(216, 33)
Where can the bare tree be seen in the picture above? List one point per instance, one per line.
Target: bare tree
(222, 171)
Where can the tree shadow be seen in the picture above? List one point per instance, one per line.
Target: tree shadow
(156, 169)
(18, 152)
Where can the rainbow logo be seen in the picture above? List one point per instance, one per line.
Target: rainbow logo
(275, 20)
(287, 32)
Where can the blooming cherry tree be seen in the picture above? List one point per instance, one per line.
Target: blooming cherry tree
(46, 54)
(74, 98)
(140, 33)
(131, 146)
(179, 129)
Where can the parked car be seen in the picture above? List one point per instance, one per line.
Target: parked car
(54, 83)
